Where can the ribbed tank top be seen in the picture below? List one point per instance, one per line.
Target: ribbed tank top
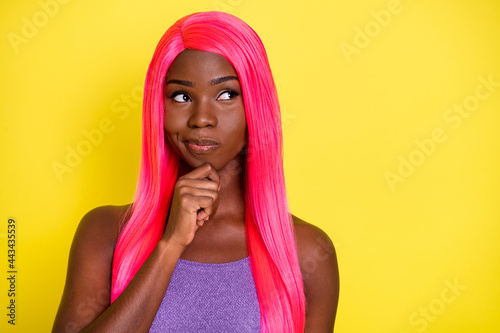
(204, 297)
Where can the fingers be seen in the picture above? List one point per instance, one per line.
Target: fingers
(204, 171)
(194, 203)
(204, 184)
(199, 190)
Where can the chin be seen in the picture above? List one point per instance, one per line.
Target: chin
(233, 166)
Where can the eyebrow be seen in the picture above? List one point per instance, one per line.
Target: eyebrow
(219, 80)
(213, 82)
(181, 82)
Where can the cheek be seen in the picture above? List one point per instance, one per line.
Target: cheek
(171, 128)
(171, 122)
(167, 125)
(243, 131)
(235, 128)
(242, 127)
(238, 122)
(239, 135)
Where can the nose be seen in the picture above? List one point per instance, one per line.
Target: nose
(202, 115)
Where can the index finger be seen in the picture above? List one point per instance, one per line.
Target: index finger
(206, 170)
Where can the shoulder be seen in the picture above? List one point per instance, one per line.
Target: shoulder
(105, 218)
(313, 244)
(318, 264)
(99, 228)
(104, 221)
(88, 280)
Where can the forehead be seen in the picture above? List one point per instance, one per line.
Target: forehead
(199, 66)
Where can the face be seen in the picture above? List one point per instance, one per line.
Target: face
(204, 114)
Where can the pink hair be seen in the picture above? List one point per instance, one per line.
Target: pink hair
(269, 229)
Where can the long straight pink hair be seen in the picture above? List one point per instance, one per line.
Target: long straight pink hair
(269, 229)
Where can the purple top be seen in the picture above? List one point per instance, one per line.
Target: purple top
(205, 297)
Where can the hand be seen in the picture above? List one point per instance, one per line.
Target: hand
(192, 203)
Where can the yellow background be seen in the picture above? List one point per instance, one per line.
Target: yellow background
(349, 118)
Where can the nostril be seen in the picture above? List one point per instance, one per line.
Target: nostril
(202, 119)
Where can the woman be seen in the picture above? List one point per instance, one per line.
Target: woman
(209, 219)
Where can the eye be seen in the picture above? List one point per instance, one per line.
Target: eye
(227, 95)
(180, 97)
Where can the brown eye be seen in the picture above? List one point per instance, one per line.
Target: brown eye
(227, 95)
(180, 97)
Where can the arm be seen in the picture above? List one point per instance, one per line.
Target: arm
(85, 303)
(86, 297)
(320, 274)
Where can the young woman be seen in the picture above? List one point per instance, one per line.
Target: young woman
(208, 244)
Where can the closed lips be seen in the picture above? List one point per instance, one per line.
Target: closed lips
(201, 146)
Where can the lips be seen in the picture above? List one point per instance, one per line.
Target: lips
(201, 146)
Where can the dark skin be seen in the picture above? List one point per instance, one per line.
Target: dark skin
(206, 127)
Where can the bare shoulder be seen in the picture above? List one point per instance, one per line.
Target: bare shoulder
(318, 264)
(311, 241)
(101, 224)
(88, 280)
(94, 241)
